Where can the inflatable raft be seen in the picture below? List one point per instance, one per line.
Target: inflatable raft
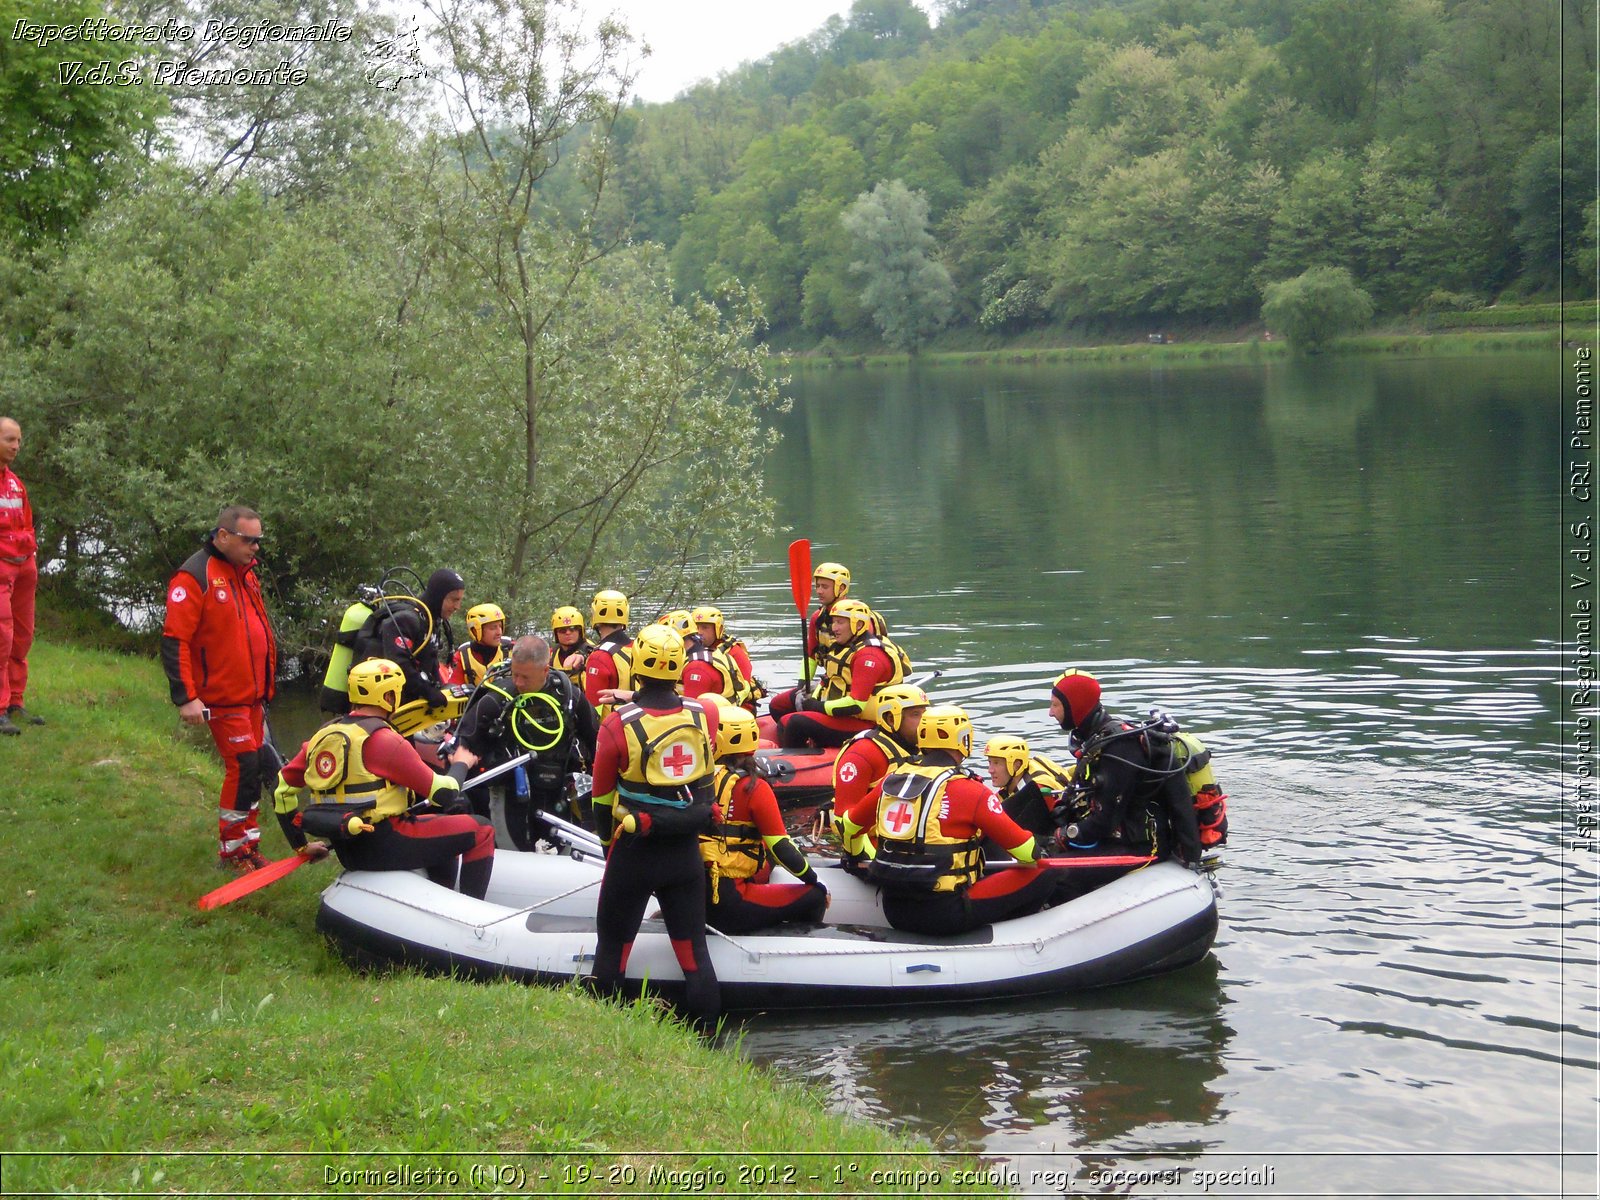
(537, 925)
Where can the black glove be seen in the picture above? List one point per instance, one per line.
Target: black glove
(810, 704)
(435, 696)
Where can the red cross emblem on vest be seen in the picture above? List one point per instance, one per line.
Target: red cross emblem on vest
(898, 816)
(679, 760)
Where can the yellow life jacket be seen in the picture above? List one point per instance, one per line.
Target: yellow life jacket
(669, 768)
(734, 684)
(1210, 805)
(472, 667)
(914, 853)
(735, 850)
(338, 779)
(838, 669)
(620, 646)
(559, 652)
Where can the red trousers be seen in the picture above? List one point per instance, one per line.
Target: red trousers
(238, 733)
(18, 582)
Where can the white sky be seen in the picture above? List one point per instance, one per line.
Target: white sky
(697, 39)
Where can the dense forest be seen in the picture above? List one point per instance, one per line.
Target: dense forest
(1092, 163)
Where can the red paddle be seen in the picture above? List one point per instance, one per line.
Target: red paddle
(800, 587)
(245, 884)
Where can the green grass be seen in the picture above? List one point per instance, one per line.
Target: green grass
(150, 1047)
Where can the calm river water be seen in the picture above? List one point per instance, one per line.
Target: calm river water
(1347, 577)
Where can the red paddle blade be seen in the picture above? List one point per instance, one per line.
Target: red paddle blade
(1099, 860)
(255, 880)
(800, 573)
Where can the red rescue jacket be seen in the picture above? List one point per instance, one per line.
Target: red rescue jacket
(217, 644)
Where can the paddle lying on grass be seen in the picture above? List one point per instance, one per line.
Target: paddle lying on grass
(234, 889)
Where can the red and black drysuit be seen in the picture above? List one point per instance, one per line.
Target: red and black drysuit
(653, 861)
(748, 824)
(834, 722)
(785, 702)
(439, 843)
(217, 647)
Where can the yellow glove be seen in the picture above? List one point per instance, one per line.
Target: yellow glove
(446, 791)
(285, 797)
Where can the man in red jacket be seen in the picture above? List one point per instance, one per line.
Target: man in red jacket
(222, 660)
(19, 575)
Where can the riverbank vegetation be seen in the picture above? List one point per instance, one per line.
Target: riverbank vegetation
(145, 1033)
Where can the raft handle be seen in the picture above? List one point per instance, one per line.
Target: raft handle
(933, 967)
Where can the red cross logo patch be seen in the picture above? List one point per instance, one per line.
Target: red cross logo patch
(680, 761)
(898, 816)
(327, 764)
(847, 772)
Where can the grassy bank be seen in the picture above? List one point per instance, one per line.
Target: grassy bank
(1410, 342)
(149, 1047)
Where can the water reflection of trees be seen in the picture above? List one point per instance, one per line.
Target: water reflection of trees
(1130, 1067)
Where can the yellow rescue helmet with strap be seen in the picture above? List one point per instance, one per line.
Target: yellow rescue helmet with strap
(678, 620)
(480, 615)
(945, 727)
(610, 607)
(1012, 752)
(707, 615)
(840, 575)
(857, 613)
(658, 654)
(893, 702)
(566, 617)
(737, 732)
(377, 682)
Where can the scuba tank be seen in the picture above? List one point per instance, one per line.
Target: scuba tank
(334, 695)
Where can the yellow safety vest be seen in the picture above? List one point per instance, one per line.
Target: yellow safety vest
(338, 778)
(735, 850)
(914, 853)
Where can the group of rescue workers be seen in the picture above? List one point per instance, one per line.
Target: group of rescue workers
(663, 723)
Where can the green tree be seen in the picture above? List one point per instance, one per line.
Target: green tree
(1315, 307)
(908, 290)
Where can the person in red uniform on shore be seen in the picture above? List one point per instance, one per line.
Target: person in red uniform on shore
(19, 579)
(929, 820)
(363, 777)
(854, 668)
(653, 766)
(221, 660)
(830, 583)
(747, 837)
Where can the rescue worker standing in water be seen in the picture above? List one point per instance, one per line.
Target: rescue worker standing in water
(929, 820)
(401, 633)
(654, 762)
(363, 777)
(747, 837)
(486, 646)
(854, 668)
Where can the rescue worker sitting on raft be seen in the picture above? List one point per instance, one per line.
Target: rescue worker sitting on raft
(1123, 798)
(868, 757)
(653, 769)
(528, 708)
(363, 777)
(1015, 773)
(717, 664)
(830, 582)
(854, 668)
(486, 647)
(608, 665)
(747, 837)
(929, 821)
(572, 644)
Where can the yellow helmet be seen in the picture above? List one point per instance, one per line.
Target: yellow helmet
(678, 620)
(945, 727)
(736, 731)
(376, 682)
(834, 571)
(857, 613)
(480, 615)
(658, 654)
(893, 702)
(1011, 750)
(565, 617)
(879, 625)
(707, 615)
(610, 607)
